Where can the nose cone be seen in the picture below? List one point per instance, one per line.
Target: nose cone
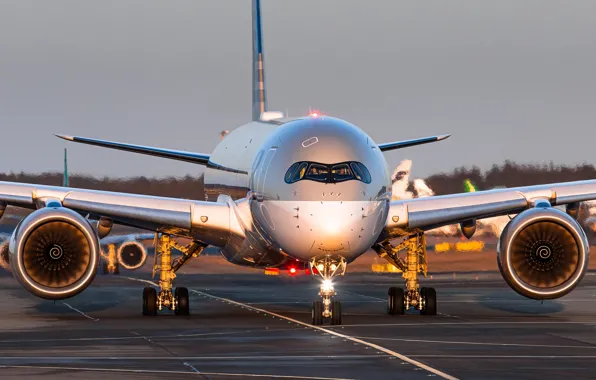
(307, 229)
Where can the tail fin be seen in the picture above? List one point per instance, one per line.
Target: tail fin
(259, 94)
(65, 173)
(401, 180)
(422, 189)
(469, 186)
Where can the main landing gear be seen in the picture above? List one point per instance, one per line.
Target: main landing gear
(177, 301)
(423, 299)
(109, 263)
(327, 309)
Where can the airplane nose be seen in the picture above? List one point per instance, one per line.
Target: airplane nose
(309, 229)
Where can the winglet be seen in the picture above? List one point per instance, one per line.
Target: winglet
(443, 137)
(65, 137)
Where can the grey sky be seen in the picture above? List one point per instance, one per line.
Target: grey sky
(509, 79)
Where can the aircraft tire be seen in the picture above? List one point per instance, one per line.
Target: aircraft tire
(149, 301)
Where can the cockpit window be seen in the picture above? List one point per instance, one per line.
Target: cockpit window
(318, 172)
(341, 172)
(333, 173)
(296, 172)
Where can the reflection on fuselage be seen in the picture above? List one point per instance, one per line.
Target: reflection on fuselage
(314, 186)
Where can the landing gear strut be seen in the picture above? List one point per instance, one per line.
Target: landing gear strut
(327, 309)
(163, 263)
(423, 299)
(110, 265)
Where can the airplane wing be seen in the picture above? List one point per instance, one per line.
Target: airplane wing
(195, 158)
(432, 212)
(209, 222)
(407, 143)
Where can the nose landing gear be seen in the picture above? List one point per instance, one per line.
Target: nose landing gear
(327, 309)
(177, 301)
(423, 299)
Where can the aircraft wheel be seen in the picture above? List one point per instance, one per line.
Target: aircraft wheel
(317, 313)
(149, 301)
(395, 301)
(181, 295)
(430, 305)
(336, 313)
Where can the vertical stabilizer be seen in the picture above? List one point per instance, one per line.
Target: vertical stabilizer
(401, 180)
(469, 186)
(65, 173)
(259, 95)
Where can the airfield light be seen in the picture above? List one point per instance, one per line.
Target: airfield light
(327, 286)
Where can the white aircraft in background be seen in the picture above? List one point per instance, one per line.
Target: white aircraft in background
(316, 190)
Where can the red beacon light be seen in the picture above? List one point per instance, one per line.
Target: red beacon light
(314, 114)
(292, 270)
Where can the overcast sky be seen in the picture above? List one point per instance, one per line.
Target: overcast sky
(509, 79)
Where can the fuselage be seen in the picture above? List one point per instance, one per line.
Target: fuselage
(310, 187)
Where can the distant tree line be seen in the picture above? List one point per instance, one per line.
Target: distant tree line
(508, 174)
(179, 187)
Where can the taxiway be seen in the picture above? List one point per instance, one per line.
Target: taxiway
(256, 326)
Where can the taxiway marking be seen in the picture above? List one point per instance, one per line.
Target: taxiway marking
(474, 343)
(80, 312)
(92, 369)
(402, 357)
(470, 323)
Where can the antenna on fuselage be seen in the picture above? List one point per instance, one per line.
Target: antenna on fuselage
(65, 173)
(259, 95)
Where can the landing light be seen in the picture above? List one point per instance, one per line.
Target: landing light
(327, 285)
(320, 267)
(333, 267)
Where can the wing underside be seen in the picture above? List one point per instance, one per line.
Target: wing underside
(432, 212)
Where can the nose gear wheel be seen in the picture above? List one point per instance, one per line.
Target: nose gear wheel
(327, 309)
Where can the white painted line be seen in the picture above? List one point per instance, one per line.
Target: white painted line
(355, 340)
(473, 343)
(92, 369)
(188, 358)
(175, 336)
(80, 312)
(191, 367)
(506, 356)
(426, 324)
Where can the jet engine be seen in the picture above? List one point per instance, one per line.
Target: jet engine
(543, 253)
(132, 255)
(54, 253)
(4, 255)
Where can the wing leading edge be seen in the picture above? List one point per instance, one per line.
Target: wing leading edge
(195, 158)
(407, 143)
(210, 222)
(432, 212)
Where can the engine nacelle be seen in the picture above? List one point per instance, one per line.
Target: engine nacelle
(543, 253)
(132, 255)
(4, 255)
(54, 253)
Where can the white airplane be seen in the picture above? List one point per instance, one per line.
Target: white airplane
(316, 189)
